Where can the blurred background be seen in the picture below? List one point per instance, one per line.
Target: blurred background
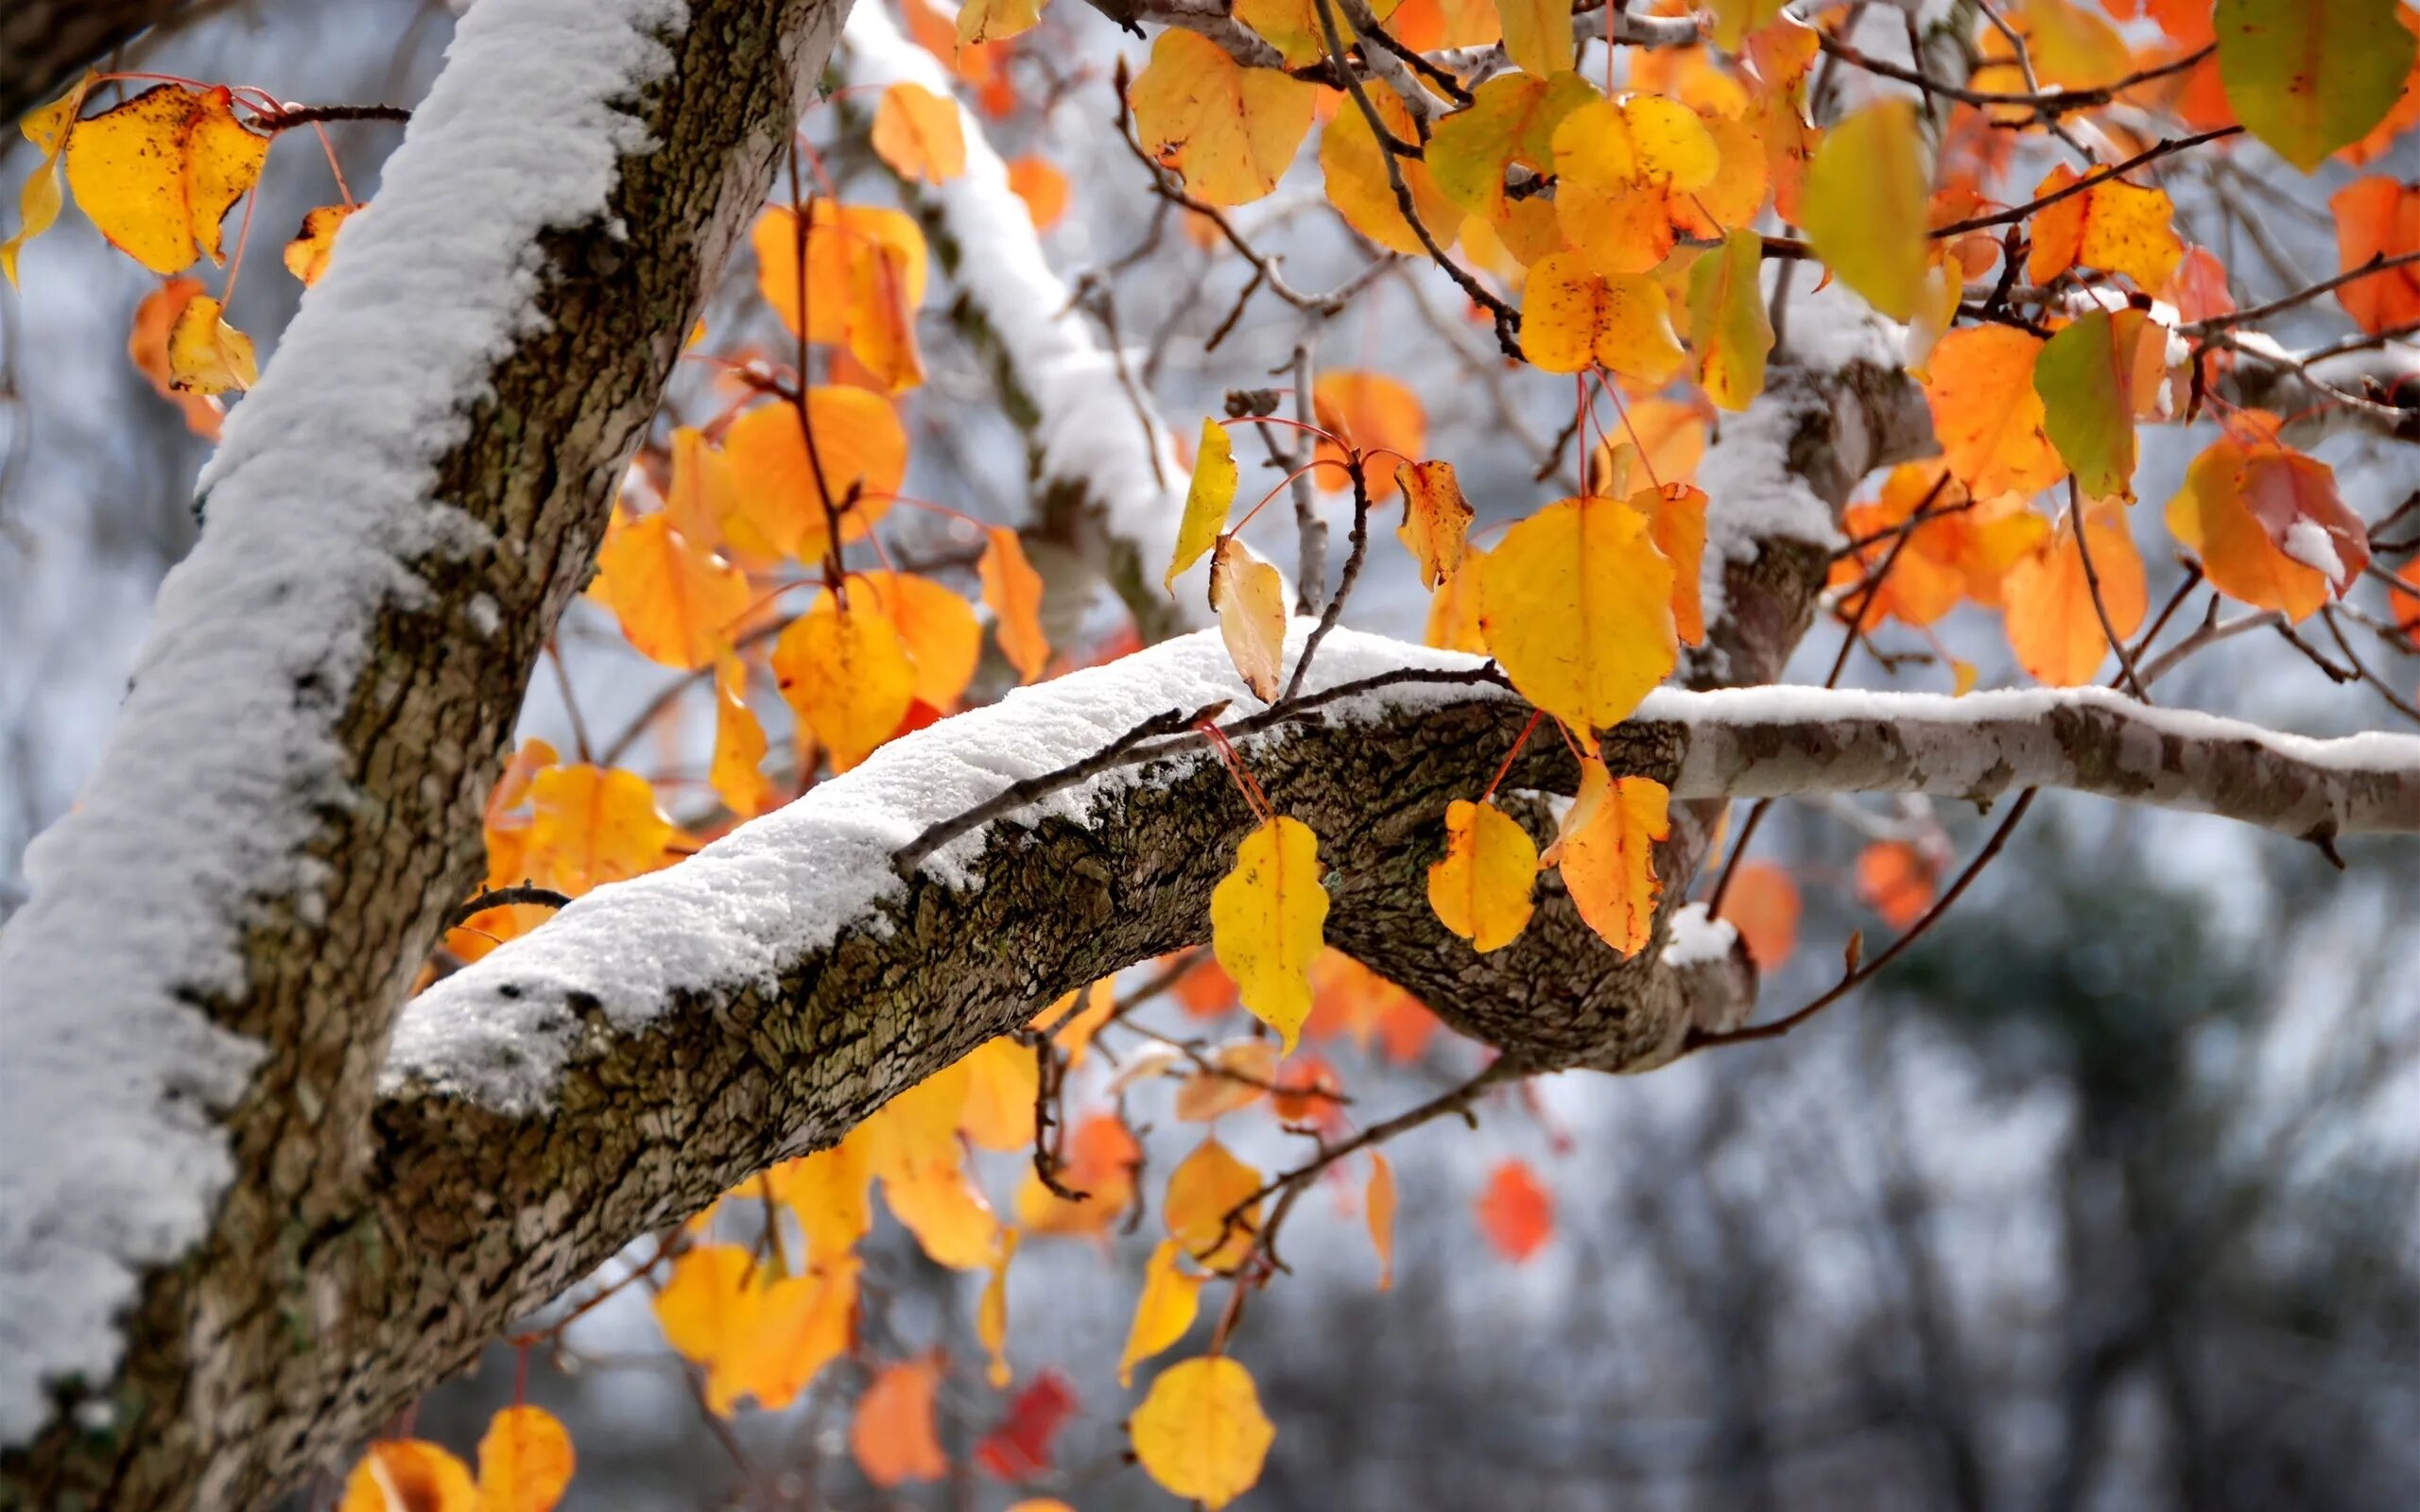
(2108, 1197)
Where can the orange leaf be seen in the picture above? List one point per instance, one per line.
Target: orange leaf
(1248, 1066)
(524, 1461)
(1896, 881)
(1762, 904)
(2112, 225)
(1044, 188)
(2379, 217)
(1379, 1203)
(1368, 412)
(1230, 131)
(1986, 412)
(864, 282)
(308, 255)
(778, 484)
(1001, 1081)
(1676, 523)
(1516, 1213)
(409, 1475)
(736, 773)
(1100, 1160)
(1436, 517)
(942, 1206)
(936, 627)
(2053, 624)
(1608, 859)
(147, 347)
(676, 601)
(917, 132)
(892, 1434)
(591, 825)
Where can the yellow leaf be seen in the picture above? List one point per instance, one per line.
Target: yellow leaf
(1987, 413)
(981, 21)
(936, 629)
(707, 1303)
(1379, 1203)
(847, 674)
(1735, 19)
(1453, 609)
(1574, 317)
(699, 497)
(919, 1127)
(38, 202)
(778, 483)
(1266, 922)
(892, 1435)
(2047, 598)
(1676, 523)
(147, 347)
(1436, 517)
(736, 773)
(1511, 121)
(676, 602)
(1482, 890)
(1355, 169)
(827, 1193)
(591, 825)
(1621, 167)
(308, 255)
(206, 355)
(1230, 131)
(1576, 605)
(1167, 1309)
(1001, 1080)
(792, 1328)
(524, 1461)
(1608, 862)
(2112, 225)
(1074, 1037)
(158, 173)
(1537, 35)
(409, 1475)
(1207, 1186)
(1727, 320)
(947, 1213)
(1250, 599)
(991, 1313)
(917, 132)
(1200, 1433)
(1206, 500)
(1865, 206)
(1013, 590)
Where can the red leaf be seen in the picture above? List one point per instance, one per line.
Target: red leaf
(1516, 1213)
(1019, 1448)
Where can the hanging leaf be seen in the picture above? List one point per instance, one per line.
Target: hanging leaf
(1576, 605)
(1249, 598)
(918, 134)
(864, 282)
(1621, 167)
(38, 201)
(941, 1205)
(157, 174)
(1205, 1187)
(591, 825)
(676, 603)
(1762, 904)
(1676, 523)
(1012, 589)
(829, 1192)
(1573, 318)
(306, 255)
(1728, 324)
(1229, 130)
(846, 673)
(737, 772)
(1896, 881)
(982, 20)
(1378, 1203)
(2052, 623)
(1019, 1448)
(1988, 414)
(1509, 122)
(1436, 517)
(412, 1474)
(2308, 76)
(1266, 922)
(1865, 206)
(1001, 1081)
(860, 454)
(2112, 225)
(1482, 890)
(2091, 376)
(1200, 1433)
(1372, 414)
(1169, 1302)
(893, 1436)
(1608, 858)
(1041, 185)
(1354, 166)
(1206, 500)
(1538, 36)
(992, 1318)
(526, 1461)
(206, 355)
(1515, 1212)
(2377, 218)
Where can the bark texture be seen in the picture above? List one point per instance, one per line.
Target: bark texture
(240, 1373)
(46, 44)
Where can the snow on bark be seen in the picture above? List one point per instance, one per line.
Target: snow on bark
(1086, 426)
(206, 799)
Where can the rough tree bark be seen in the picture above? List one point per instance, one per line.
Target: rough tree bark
(381, 1216)
(46, 44)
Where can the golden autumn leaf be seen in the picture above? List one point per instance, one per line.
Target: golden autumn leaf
(991, 1313)
(792, 1329)
(918, 134)
(1379, 1207)
(1354, 166)
(409, 1475)
(1959, 549)
(1249, 598)
(1206, 500)
(919, 1126)
(526, 1461)
(1229, 130)
(1267, 918)
(157, 174)
(982, 20)
(1436, 517)
(1728, 324)
(38, 201)
(1453, 609)
(1660, 441)
(1537, 35)
(591, 825)
(1200, 1433)
(936, 629)
(2243, 539)
(1482, 888)
(891, 1435)
(1205, 1187)
(1576, 603)
(1509, 122)
(1574, 317)
(828, 1193)
(1621, 167)
(1001, 1081)
(1041, 185)
(206, 355)
(147, 347)
(1166, 1310)
(1372, 414)
(737, 771)
(1987, 413)
(2047, 598)
(306, 255)
(1607, 857)
(778, 483)
(846, 672)
(1865, 202)
(676, 602)
(1012, 589)
(2112, 225)
(1676, 523)
(1100, 1160)
(864, 281)
(1244, 1070)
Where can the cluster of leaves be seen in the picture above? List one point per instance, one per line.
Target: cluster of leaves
(1622, 232)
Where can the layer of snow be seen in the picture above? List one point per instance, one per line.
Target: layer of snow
(1697, 939)
(110, 1080)
(2306, 541)
(781, 886)
(1088, 431)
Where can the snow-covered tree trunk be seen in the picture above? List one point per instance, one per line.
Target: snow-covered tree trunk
(294, 1201)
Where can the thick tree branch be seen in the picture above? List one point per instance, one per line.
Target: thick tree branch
(46, 44)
